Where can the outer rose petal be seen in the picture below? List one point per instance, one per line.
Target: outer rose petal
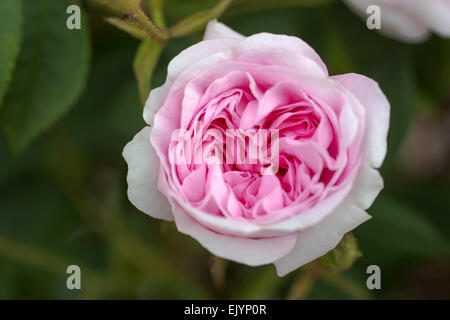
(253, 252)
(367, 186)
(217, 30)
(219, 38)
(316, 241)
(377, 110)
(177, 65)
(436, 14)
(143, 175)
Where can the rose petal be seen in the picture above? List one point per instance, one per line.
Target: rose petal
(176, 66)
(436, 14)
(294, 223)
(316, 241)
(367, 186)
(217, 30)
(274, 49)
(377, 109)
(143, 175)
(253, 252)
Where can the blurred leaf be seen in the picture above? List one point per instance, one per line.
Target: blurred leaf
(421, 194)
(37, 225)
(295, 21)
(397, 233)
(109, 101)
(432, 60)
(35, 211)
(175, 9)
(52, 69)
(122, 6)
(32, 255)
(198, 20)
(10, 39)
(241, 6)
(261, 283)
(304, 282)
(340, 287)
(131, 28)
(218, 271)
(13, 167)
(144, 64)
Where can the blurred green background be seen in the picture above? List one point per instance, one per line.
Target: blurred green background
(71, 103)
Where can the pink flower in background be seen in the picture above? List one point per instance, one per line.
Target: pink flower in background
(320, 178)
(409, 20)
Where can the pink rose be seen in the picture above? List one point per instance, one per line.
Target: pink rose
(409, 20)
(288, 208)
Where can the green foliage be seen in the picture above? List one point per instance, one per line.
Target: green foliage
(434, 76)
(144, 64)
(404, 234)
(50, 74)
(122, 6)
(10, 38)
(198, 20)
(63, 199)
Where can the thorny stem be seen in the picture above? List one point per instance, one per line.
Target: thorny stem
(153, 30)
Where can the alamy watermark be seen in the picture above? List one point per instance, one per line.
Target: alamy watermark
(73, 22)
(374, 19)
(374, 280)
(74, 280)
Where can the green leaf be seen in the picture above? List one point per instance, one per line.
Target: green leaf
(122, 6)
(420, 193)
(198, 20)
(144, 64)
(398, 233)
(432, 62)
(107, 101)
(176, 9)
(261, 283)
(50, 75)
(242, 6)
(10, 38)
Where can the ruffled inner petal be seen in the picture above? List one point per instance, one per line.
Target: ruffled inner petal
(236, 112)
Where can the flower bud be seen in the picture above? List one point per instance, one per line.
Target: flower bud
(343, 256)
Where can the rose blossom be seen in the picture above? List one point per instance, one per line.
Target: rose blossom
(332, 137)
(409, 20)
